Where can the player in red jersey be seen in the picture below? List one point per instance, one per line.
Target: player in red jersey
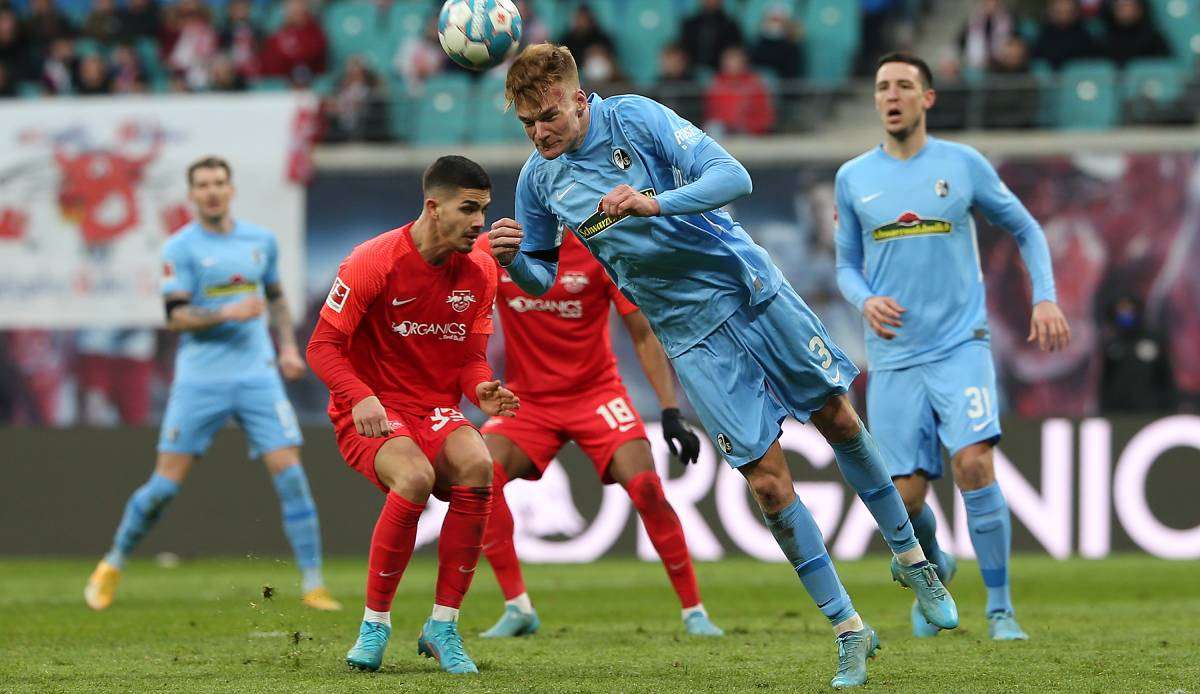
(558, 356)
(401, 338)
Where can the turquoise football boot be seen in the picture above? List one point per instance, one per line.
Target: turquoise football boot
(1002, 626)
(442, 642)
(512, 623)
(698, 624)
(935, 601)
(367, 653)
(854, 648)
(921, 627)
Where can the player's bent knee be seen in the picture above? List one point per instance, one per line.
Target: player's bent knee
(772, 492)
(836, 420)
(973, 467)
(645, 490)
(173, 466)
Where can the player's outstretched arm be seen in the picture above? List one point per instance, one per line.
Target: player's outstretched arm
(291, 364)
(182, 316)
(682, 441)
(533, 271)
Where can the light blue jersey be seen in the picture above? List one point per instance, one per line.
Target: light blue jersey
(905, 230)
(688, 269)
(217, 269)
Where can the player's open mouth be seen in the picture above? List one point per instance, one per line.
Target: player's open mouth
(893, 113)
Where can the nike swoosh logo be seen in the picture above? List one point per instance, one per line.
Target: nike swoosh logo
(465, 570)
(626, 427)
(837, 374)
(823, 604)
(676, 567)
(398, 302)
(385, 574)
(901, 526)
(868, 198)
(980, 426)
(566, 190)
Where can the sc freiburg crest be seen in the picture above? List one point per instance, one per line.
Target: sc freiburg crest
(621, 159)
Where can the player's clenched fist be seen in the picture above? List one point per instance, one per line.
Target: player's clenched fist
(370, 419)
(505, 239)
(624, 200)
(495, 399)
(247, 309)
(291, 364)
(880, 312)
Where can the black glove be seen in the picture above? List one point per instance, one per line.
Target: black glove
(682, 441)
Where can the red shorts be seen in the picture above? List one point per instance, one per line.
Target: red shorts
(600, 421)
(428, 432)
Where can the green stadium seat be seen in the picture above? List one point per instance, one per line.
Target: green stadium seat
(270, 84)
(147, 52)
(1152, 86)
(85, 47)
(832, 36)
(443, 112)
(30, 90)
(554, 15)
(1179, 21)
(491, 124)
(407, 18)
(649, 26)
(351, 28)
(1087, 95)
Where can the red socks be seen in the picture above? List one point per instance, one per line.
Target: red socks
(391, 548)
(498, 540)
(460, 542)
(666, 534)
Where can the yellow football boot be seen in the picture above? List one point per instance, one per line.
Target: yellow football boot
(102, 586)
(320, 599)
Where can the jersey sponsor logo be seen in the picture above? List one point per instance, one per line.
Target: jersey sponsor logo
(236, 285)
(911, 224)
(942, 188)
(564, 308)
(460, 299)
(574, 281)
(621, 159)
(446, 331)
(338, 295)
(687, 135)
(599, 221)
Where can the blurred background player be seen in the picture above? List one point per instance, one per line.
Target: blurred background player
(643, 189)
(558, 356)
(908, 259)
(217, 271)
(401, 338)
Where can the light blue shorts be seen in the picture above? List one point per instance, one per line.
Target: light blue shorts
(762, 364)
(260, 406)
(915, 411)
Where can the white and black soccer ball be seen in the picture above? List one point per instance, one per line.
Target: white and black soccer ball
(479, 34)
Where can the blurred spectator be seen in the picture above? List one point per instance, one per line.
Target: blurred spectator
(194, 45)
(584, 33)
(738, 101)
(600, 72)
(139, 19)
(13, 47)
(8, 85)
(1137, 374)
(676, 87)
(354, 111)
(1131, 33)
(58, 69)
(297, 50)
(420, 57)
(224, 75)
(950, 110)
(778, 45)
(240, 38)
(708, 33)
(128, 76)
(93, 76)
(989, 25)
(44, 25)
(1011, 94)
(1063, 36)
(534, 30)
(103, 24)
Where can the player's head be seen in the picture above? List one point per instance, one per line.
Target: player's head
(543, 85)
(903, 93)
(210, 188)
(457, 194)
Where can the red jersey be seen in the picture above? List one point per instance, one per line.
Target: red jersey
(558, 343)
(409, 323)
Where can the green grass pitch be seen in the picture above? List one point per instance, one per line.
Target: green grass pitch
(1129, 624)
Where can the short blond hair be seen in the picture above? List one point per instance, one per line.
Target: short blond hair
(538, 68)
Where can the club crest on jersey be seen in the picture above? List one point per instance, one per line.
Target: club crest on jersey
(599, 221)
(338, 295)
(911, 224)
(574, 282)
(942, 188)
(621, 159)
(460, 299)
(724, 443)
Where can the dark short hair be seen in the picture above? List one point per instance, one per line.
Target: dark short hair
(909, 59)
(455, 172)
(209, 162)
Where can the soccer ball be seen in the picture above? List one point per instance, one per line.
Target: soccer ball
(479, 34)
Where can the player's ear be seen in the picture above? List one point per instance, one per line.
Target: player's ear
(930, 98)
(431, 207)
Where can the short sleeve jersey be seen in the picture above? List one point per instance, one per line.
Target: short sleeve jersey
(558, 344)
(215, 269)
(408, 321)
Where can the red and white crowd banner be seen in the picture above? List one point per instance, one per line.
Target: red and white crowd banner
(90, 188)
